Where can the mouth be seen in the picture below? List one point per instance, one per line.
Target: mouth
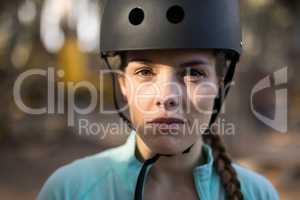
(167, 124)
(167, 120)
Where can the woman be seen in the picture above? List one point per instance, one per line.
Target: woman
(178, 60)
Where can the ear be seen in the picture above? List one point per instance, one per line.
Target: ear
(123, 85)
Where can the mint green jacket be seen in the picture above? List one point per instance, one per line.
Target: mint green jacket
(112, 175)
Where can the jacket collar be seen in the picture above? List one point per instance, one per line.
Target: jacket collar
(203, 171)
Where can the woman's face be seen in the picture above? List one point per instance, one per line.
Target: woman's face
(170, 94)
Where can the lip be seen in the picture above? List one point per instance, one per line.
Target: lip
(167, 120)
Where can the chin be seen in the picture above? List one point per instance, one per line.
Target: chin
(167, 144)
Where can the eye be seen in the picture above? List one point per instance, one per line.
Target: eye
(145, 71)
(194, 74)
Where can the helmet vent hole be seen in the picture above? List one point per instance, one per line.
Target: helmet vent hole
(136, 16)
(175, 14)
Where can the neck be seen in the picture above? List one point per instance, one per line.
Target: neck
(176, 168)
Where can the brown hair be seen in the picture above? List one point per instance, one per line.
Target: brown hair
(223, 166)
(222, 160)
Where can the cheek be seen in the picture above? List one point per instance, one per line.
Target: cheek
(200, 106)
(145, 94)
(141, 98)
(201, 97)
(137, 91)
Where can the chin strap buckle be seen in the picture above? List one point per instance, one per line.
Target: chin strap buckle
(188, 149)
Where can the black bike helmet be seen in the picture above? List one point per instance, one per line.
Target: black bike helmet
(133, 25)
(170, 24)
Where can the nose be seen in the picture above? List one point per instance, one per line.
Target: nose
(169, 97)
(169, 103)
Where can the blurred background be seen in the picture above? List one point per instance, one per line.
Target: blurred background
(64, 35)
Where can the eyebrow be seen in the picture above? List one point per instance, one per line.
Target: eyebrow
(193, 63)
(140, 60)
(184, 64)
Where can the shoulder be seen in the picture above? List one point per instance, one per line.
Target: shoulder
(78, 177)
(254, 185)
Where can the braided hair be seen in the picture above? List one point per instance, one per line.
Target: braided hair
(222, 161)
(223, 166)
